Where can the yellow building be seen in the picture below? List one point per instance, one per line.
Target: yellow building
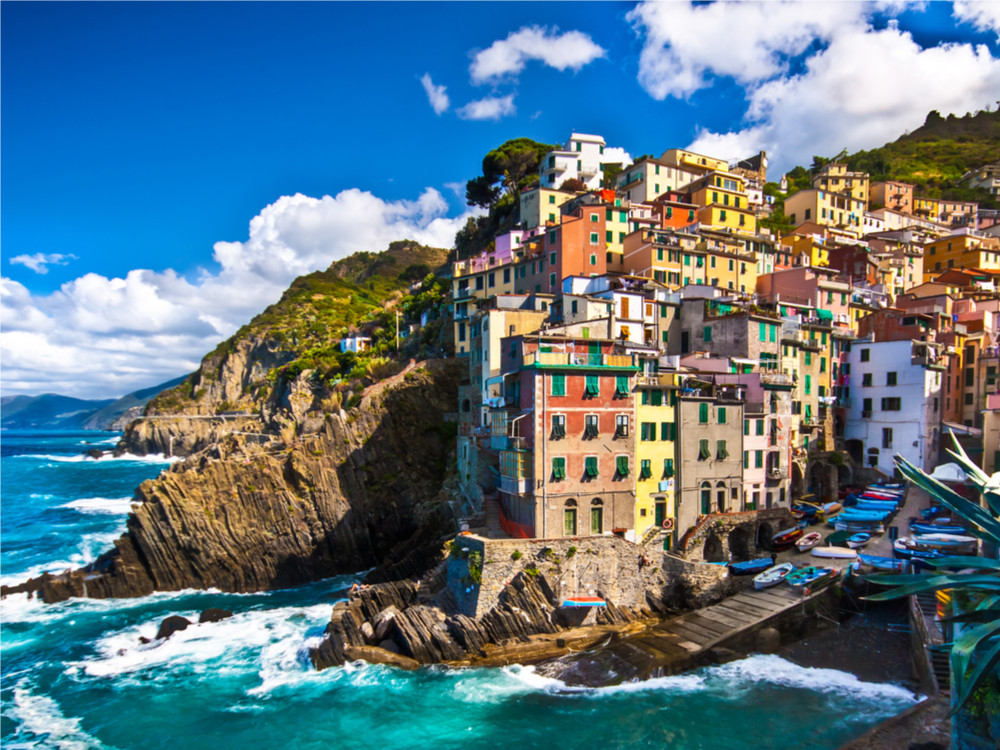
(648, 179)
(961, 250)
(655, 446)
(540, 206)
(730, 262)
(799, 244)
(723, 201)
(927, 208)
(835, 178)
(825, 209)
(698, 163)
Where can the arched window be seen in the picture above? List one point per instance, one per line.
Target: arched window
(706, 498)
(569, 518)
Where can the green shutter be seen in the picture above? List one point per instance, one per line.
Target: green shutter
(621, 465)
(668, 468)
(707, 334)
(703, 452)
(645, 472)
(746, 459)
(558, 384)
(720, 449)
(593, 386)
(746, 426)
(703, 413)
(621, 385)
(763, 332)
(657, 398)
(664, 430)
(758, 459)
(808, 385)
(760, 426)
(558, 468)
(590, 466)
(722, 414)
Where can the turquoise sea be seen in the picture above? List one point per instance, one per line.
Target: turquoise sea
(75, 675)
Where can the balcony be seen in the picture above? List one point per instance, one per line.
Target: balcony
(775, 475)
(568, 359)
(776, 379)
(514, 485)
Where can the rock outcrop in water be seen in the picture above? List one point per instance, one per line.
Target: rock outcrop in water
(364, 488)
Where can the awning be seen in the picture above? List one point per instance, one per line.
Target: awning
(824, 314)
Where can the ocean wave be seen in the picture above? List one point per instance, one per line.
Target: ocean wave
(778, 671)
(270, 642)
(155, 458)
(107, 505)
(41, 723)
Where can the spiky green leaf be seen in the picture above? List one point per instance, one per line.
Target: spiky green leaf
(988, 659)
(934, 583)
(961, 654)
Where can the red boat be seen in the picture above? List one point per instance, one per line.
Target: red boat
(785, 539)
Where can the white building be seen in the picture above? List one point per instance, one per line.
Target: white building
(580, 159)
(895, 402)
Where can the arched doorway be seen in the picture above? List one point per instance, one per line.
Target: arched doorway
(856, 450)
(712, 551)
(569, 518)
(739, 543)
(764, 533)
(720, 496)
(706, 498)
(597, 516)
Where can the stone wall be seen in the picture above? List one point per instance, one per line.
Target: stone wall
(699, 583)
(721, 537)
(622, 572)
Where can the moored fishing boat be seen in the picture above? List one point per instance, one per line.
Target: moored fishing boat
(922, 527)
(859, 540)
(750, 567)
(584, 601)
(829, 510)
(837, 553)
(881, 563)
(772, 576)
(785, 538)
(808, 541)
(809, 578)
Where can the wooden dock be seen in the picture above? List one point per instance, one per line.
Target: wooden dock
(695, 638)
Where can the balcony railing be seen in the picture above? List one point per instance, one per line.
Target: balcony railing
(568, 359)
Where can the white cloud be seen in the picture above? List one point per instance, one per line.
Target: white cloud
(489, 108)
(684, 43)
(435, 94)
(843, 98)
(505, 57)
(616, 155)
(39, 262)
(98, 336)
(985, 16)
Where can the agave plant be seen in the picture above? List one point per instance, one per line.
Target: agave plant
(979, 577)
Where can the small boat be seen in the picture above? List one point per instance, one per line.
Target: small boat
(881, 563)
(947, 540)
(892, 486)
(750, 567)
(838, 538)
(904, 549)
(584, 601)
(805, 579)
(935, 511)
(837, 553)
(922, 527)
(859, 540)
(829, 510)
(786, 538)
(867, 504)
(772, 576)
(809, 541)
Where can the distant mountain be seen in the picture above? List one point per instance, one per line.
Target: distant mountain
(50, 411)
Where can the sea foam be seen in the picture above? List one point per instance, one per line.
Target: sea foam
(40, 723)
(107, 505)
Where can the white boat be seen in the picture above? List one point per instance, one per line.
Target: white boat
(840, 553)
(772, 576)
(856, 541)
(942, 539)
(809, 541)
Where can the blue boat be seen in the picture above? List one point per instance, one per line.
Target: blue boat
(858, 540)
(882, 563)
(920, 527)
(934, 512)
(876, 505)
(750, 567)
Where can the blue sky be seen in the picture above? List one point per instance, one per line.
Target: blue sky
(167, 168)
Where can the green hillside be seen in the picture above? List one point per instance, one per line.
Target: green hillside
(358, 295)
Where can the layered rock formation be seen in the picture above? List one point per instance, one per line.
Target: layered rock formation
(365, 488)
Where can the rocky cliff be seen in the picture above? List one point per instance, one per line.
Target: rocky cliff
(362, 487)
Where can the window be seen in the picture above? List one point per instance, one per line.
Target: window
(621, 425)
(559, 468)
(552, 281)
(647, 431)
(886, 437)
(590, 466)
(558, 384)
(721, 411)
(720, 450)
(656, 397)
(890, 378)
(809, 359)
(893, 403)
(645, 470)
(866, 407)
(758, 459)
(762, 332)
(621, 466)
(746, 459)
(668, 431)
(552, 198)
(703, 413)
(808, 384)
(760, 426)
(592, 387)
(668, 468)
(746, 426)
(593, 238)
(621, 386)
(593, 259)
(865, 354)
(707, 334)
(590, 425)
(866, 379)
(594, 217)
(703, 452)
(558, 426)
